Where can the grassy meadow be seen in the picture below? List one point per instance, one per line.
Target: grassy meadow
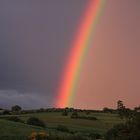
(15, 130)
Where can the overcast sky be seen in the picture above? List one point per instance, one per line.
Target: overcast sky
(35, 38)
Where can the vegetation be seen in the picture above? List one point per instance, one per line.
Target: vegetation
(62, 128)
(38, 136)
(71, 124)
(36, 122)
(125, 131)
(74, 115)
(84, 117)
(65, 113)
(16, 109)
(130, 129)
(16, 131)
(58, 126)
(14, 119)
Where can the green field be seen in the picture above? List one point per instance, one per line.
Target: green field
(104, 122)
(14, 130)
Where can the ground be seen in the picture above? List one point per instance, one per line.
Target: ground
(104, 122)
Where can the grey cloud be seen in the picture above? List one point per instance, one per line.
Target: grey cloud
(35, 38)
(26, 100)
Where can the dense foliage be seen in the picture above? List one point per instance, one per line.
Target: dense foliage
(35, 121)
(14, 119)
(127, 131)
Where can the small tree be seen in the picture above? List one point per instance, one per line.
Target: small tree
(16, 109)
(124, 112)
(65, 111)
(120, 105)
(121, 108)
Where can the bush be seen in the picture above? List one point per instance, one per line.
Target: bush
(126, 131)
(74, 115)
(14, 119)
(36, 122)
(87, 112)
(87, 118)
(65, 113)
(62, 128)
(38, 136)
(6, 112)
(95, 136)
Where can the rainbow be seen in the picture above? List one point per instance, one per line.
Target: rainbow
(79, 48)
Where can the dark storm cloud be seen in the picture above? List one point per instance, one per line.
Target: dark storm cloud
(35, 39)
(27, 100)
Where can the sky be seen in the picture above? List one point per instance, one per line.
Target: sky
(35, 38)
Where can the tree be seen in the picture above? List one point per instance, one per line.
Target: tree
(120, 105)
(124, 112)
(108, 110)
(137, 109)
(65, 111)
(16, 109)
(121, 108)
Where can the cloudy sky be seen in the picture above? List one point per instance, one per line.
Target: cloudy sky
(35, 38)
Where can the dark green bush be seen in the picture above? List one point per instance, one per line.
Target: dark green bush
(87, 117)
(65, 113)
(6, 112)
(13, 138)
(74, 115)
(62, 128)
(95, 136)
(127, 131)
(14, 119)
(36, 122)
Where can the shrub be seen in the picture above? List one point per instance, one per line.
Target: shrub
(95, 136)
(36, 122)
(64, 113)
(6, 112)
(38, 136)
(14, 119)
(74, 115)
(129, 130)
(62, 128)
(87, 118)
(87, 112)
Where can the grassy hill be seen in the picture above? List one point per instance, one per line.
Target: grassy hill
(15, 130)
(104, 121)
